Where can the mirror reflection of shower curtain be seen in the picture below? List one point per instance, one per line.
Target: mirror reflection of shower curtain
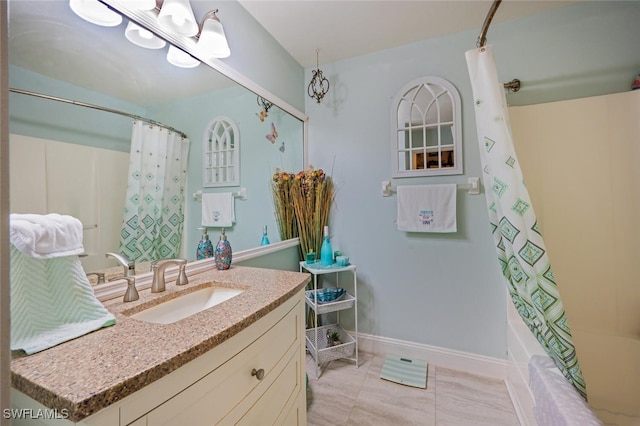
(154, 207)
(519, 244)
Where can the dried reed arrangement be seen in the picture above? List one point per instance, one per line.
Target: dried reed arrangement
(310, 196)
(285, 213)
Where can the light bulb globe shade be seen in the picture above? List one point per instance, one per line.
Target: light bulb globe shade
(212, 41)
(181, 59)
(177, 16)
(143, 4)
(95, 12)
(143, 37)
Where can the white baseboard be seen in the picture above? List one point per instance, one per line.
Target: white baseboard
(448, 358)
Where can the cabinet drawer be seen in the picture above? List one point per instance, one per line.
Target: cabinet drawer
(211, 398)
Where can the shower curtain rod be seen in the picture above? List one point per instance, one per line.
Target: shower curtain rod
(513, 85)
(98, 107)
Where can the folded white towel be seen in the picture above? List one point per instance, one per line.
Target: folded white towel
(46, 236)
(427, 208)
(217, 209)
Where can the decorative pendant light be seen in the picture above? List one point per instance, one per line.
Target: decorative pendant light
(319, 85)
(212, 40)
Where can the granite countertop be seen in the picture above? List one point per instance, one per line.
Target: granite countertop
(91, 372)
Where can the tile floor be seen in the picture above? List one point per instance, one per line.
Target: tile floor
(345, 395)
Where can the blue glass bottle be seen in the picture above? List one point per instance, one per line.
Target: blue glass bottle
(223, 253)
(205, 246)
(265, 239)
(326, 251)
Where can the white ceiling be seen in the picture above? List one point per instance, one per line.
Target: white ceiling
(347, 28)
(46, 37)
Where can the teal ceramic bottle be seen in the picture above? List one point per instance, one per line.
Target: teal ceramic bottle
(205, 246)
(265, 239)
(326, 251)
(223, 253)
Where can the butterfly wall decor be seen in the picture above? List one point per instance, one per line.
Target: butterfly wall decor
(281, 147)
(273, 136)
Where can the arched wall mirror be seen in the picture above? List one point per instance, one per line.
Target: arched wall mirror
(426, 129)
(91, 147)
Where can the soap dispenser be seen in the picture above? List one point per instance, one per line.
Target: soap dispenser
(326, 251)
(205, 246)
(223, 253)
(265, 239)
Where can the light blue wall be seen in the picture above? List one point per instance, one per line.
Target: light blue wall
(258, 158)
(41, 118)
(439, 289)
(256, 54)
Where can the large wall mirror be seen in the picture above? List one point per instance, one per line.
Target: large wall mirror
(74, 160)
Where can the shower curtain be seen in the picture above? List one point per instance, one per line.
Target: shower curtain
(154, 207)
(520, 248)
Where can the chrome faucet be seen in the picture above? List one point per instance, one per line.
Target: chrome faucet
(100, 276)
(132, 292)
(128, 265)
(158, 268)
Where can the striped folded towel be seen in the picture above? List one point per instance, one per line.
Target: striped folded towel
(51, 302)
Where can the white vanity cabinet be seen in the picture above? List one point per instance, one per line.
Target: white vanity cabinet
(257, 374)
(255, 377)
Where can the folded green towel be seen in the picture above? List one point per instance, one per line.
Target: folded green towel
(51, 302)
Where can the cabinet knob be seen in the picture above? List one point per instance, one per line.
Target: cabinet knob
(258, 373)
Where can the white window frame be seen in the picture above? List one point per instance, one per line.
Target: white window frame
(401, 150)
(221, 153)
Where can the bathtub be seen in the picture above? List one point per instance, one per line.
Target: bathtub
(540, 394)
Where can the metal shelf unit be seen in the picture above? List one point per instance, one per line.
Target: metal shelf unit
(318, 344)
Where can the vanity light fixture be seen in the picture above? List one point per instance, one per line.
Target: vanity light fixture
(177, 16)
(181, 59)
(319, 85)
(95, 12)
(211, 39)
(143, 4)
(143, 37)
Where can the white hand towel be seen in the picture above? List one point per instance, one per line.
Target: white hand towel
(218, 209)
(46, 236)
(427, 208)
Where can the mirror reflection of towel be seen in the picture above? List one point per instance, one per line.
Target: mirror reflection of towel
(427, 208)
(218, 209)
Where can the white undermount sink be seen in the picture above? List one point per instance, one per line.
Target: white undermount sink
(184, 306)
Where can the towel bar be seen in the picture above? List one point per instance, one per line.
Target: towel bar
(472, 185)
(242, 194)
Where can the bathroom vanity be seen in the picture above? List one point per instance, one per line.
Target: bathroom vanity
(241, 361)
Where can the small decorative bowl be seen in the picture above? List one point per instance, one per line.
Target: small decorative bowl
(326, 295)
(342, 260)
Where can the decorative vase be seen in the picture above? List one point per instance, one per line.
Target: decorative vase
(265, 239)
(223, 253)
(326, 252)
(205, 246)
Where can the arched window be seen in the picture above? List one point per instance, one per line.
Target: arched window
(221, 153)
(426, 129)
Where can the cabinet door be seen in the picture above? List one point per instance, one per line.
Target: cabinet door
(273, 407)
(210, 399)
